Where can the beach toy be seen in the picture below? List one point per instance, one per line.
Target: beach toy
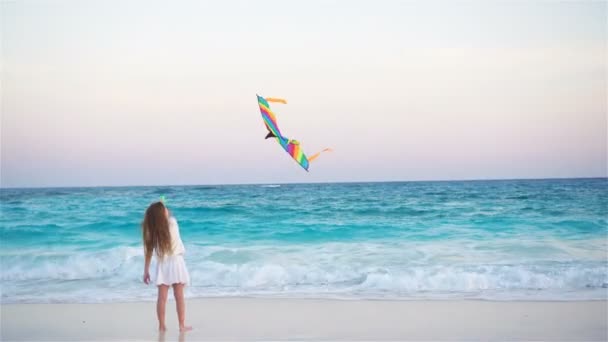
(291, 146)
(163, 199)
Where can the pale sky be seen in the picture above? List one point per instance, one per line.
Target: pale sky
(153, 93)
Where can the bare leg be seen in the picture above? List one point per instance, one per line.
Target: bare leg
(178, 292)
(161, 301)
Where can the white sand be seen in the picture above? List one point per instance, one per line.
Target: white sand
(282, 319)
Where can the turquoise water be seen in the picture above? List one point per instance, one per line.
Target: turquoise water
(505, 240)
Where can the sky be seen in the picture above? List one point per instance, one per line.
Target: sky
(113, 93)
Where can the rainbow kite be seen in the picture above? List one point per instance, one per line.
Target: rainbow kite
(290, 146)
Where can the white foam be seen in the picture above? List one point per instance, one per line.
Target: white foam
(361, 270)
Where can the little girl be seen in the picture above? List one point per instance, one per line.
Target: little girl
(161, 235)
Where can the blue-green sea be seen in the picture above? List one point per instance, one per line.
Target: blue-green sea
(502, 240)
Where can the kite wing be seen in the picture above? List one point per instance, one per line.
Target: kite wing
(290, 146)
(270, 120)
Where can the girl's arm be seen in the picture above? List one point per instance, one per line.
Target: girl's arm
(147, 268)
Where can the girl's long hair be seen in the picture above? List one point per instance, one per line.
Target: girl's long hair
(155, 230)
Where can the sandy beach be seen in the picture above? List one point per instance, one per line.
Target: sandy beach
(312, 319)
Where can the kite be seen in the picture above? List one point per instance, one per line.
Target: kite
(289, 145)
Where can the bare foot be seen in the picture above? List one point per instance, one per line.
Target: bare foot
(162, 329)
(185, 328)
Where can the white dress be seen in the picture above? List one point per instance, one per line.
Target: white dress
(171, 269)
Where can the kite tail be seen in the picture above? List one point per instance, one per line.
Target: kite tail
(274, 99)
(314, 156)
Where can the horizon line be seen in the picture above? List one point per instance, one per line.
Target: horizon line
(299, 183)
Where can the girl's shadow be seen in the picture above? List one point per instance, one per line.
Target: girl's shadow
(162, 335)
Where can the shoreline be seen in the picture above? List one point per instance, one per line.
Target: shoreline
(321, 298)
(247, 318)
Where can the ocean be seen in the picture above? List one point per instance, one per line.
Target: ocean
(494, 240)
